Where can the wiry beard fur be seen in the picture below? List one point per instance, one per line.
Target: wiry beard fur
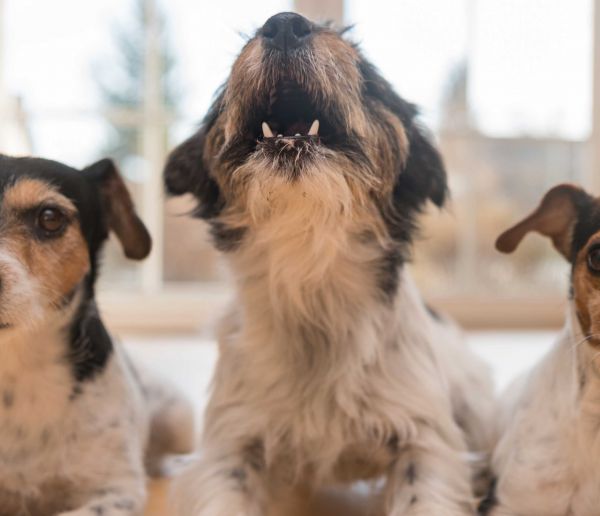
(307, 247)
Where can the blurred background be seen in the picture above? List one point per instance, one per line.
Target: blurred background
(511, 90)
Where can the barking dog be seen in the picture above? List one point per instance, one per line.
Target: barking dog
(311, 172)
(75, 417)
(547, 458)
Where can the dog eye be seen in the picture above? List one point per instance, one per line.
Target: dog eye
(594, 259)
(51, 220)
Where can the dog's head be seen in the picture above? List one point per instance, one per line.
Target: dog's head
(53, 222)
(304, 114)
(570, 217)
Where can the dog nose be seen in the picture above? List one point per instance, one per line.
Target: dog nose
(286, 31)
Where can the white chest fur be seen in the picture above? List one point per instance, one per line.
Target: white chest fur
(51, 427)
(551, 443)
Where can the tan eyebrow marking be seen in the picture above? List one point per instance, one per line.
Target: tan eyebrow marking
(28, 193)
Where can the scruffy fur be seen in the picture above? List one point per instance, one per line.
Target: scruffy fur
(331, 367)
(547, 460)
(77, 420)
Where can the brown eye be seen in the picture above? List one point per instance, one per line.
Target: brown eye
(51, 220)
(594, 259)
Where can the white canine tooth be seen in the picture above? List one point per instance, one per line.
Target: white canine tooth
(280, 136)
(297, 134)
(267, 130)
(314, 129)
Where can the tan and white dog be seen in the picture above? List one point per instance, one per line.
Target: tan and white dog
(311, 172)
(78, 421)
(548, 459)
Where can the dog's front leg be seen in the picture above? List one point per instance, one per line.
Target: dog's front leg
(221, 485)
(125, 497)
(429, 478)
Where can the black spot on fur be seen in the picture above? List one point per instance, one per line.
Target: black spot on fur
(254, 455)
(98, 510)
(413, 500)
(8, 399)
(490, 501)
(239, 475)
(76, 391)
(393, 444)
(411, 473)
(387, 277)
(226, 238)
(124, 505)
(434, 313)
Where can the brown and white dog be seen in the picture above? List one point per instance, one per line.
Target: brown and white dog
(547, 461)
(311, 172)
(77, 420)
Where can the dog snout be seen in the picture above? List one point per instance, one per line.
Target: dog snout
(286, 31)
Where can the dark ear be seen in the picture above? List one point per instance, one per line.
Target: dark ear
(554, 218)
(186, 170)
(423, 176)
(119, 210)
(424, 173)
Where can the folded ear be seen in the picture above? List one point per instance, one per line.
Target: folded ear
(425, 171)
(187, 171)
(119, 210)
(554, 218)
(423, 176)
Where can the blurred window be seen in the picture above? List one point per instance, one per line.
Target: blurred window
(506, 88)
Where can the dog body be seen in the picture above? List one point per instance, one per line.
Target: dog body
(547, 458)
(75, 416)
(331, 367)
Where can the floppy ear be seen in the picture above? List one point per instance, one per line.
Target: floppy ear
(119, 210)
(425, 172)
(555, 218)
(423, 176)
(186, 170)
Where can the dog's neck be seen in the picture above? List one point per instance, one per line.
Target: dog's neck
(73, 337)
(34, 346)
(317, 290)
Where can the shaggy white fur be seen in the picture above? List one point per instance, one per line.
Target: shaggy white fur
(322, 381)
(550, 440)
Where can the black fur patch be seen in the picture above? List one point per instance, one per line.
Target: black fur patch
(90, 344)
(434, 313)
(588, 221)
(490, 501)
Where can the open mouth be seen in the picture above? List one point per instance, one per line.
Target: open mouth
(292, 116)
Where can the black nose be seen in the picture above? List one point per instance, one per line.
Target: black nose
(286, 31)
